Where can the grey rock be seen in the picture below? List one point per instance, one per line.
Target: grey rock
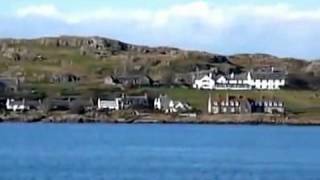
(64, 78)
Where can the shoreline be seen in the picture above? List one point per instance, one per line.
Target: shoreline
(243, 119)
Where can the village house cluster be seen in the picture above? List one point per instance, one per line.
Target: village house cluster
(268, 78)
(139, 103)
(147, 104)
(261, 79)
(242, 105)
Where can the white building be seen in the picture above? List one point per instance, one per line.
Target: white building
(13, 105)
(206, 82)
(243, 81)
(113, 104)
(167, 105)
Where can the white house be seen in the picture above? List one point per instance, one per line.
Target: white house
(167, 105)
(13, 105)
(244, 81)
(105, 104)
(206, 82)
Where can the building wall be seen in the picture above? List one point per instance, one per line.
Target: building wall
(205, 83)
(109, 104)
(268, 84)
(243, 106)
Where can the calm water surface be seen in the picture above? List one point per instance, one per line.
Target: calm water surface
(158, 152)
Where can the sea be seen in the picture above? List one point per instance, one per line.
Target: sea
(158, 152)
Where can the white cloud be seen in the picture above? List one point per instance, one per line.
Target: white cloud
(46, 10)
(199, 25)
(198, 10)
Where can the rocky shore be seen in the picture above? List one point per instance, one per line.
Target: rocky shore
(253, 119)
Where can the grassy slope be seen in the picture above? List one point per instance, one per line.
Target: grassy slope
(298, 102)
(61, 60)
(93, 70)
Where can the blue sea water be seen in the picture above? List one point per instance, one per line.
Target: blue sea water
(158, 152)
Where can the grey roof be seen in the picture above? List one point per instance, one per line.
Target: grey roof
(18, 102)
(107, 98)
(136, 98)
(256, 75)
(58, 102)
(33, 103)
(132, 77)
(9, 82)
(241, 76)
(269, 75)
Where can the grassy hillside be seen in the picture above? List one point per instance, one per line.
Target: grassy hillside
(64, 55)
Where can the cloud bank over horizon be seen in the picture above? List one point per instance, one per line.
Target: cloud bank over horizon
(279, 29)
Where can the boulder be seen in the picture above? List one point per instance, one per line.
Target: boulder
(11, 54)
(64, 78)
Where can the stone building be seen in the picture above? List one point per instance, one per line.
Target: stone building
(242, 105)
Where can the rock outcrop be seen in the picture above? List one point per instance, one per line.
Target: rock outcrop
(64, 78)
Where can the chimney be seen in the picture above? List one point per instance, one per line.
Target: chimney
(227, 99)
(210, 104)
(197, 72)
(232, 75)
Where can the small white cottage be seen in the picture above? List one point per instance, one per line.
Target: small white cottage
(14, 105)
(109, 104)
(167, 105)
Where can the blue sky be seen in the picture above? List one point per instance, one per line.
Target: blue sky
(284, 28)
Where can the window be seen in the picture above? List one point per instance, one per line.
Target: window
(270, 103)
(237, 103)
(224, 110)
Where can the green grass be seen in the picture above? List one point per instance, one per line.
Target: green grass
(299, 102)
(60, 60)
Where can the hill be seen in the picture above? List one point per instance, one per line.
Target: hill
(70, 65)
(91, 59)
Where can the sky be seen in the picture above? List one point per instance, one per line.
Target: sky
(286, 28)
